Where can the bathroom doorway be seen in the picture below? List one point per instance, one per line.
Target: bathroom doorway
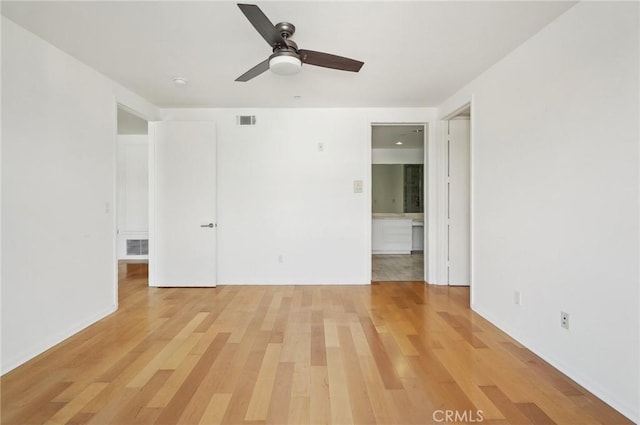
(397, 202)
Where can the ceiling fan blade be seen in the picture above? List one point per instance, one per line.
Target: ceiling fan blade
(329, 61)
(255, 71)
(262, 24)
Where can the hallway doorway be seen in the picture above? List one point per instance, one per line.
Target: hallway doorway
(132, 195)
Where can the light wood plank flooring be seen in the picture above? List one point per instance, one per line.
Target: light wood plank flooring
(387, 353)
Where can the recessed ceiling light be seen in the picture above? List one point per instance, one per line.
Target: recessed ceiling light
(181, 81)
(398, 143)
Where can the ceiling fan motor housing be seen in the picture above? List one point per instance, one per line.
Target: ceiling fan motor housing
(286, 29)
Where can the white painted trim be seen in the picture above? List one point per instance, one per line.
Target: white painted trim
(152, 278)
(472, 202)
(279, 283)
(438, 216)
(44, 345)
(368, 218)
(431, 234)
(426, 234)
(114, 205)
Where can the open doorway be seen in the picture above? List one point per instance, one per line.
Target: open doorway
(132, 195)
(397, 202)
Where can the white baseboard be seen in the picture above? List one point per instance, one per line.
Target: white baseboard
(587, 382)
(281, 283)
(28, 354)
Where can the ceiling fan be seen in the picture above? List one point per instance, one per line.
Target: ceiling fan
(287, 59)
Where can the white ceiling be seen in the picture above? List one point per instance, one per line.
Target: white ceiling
(386, 136)
(416, 53)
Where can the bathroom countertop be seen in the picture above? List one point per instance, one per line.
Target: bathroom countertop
(411, 216)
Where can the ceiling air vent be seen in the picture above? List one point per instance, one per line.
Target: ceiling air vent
(246, 119)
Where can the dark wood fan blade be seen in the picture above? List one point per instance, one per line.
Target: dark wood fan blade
(255, 71)
(262, 24)
(329, 61)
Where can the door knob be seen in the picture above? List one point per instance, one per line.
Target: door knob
(207, 225)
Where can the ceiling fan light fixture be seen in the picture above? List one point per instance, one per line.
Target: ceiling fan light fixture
(285, 65)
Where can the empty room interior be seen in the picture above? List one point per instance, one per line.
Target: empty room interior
(431, 218)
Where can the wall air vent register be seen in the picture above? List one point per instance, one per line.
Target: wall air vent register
(246, 120)
(137, 247)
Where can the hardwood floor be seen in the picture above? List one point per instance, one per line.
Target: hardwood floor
(387, 353)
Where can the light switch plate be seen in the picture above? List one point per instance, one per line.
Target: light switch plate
(357, 186)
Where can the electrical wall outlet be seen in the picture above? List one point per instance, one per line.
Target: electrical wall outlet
(564, 320)
(517, 299)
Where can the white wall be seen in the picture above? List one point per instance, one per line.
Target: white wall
(129, 123)
(555, 196)
(133, 191)
(278, 195)
(58, 194)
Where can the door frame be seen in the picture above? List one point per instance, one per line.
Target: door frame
(442, 223)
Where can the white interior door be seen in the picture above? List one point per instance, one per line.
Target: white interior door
(459, 203)
(182, 237)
